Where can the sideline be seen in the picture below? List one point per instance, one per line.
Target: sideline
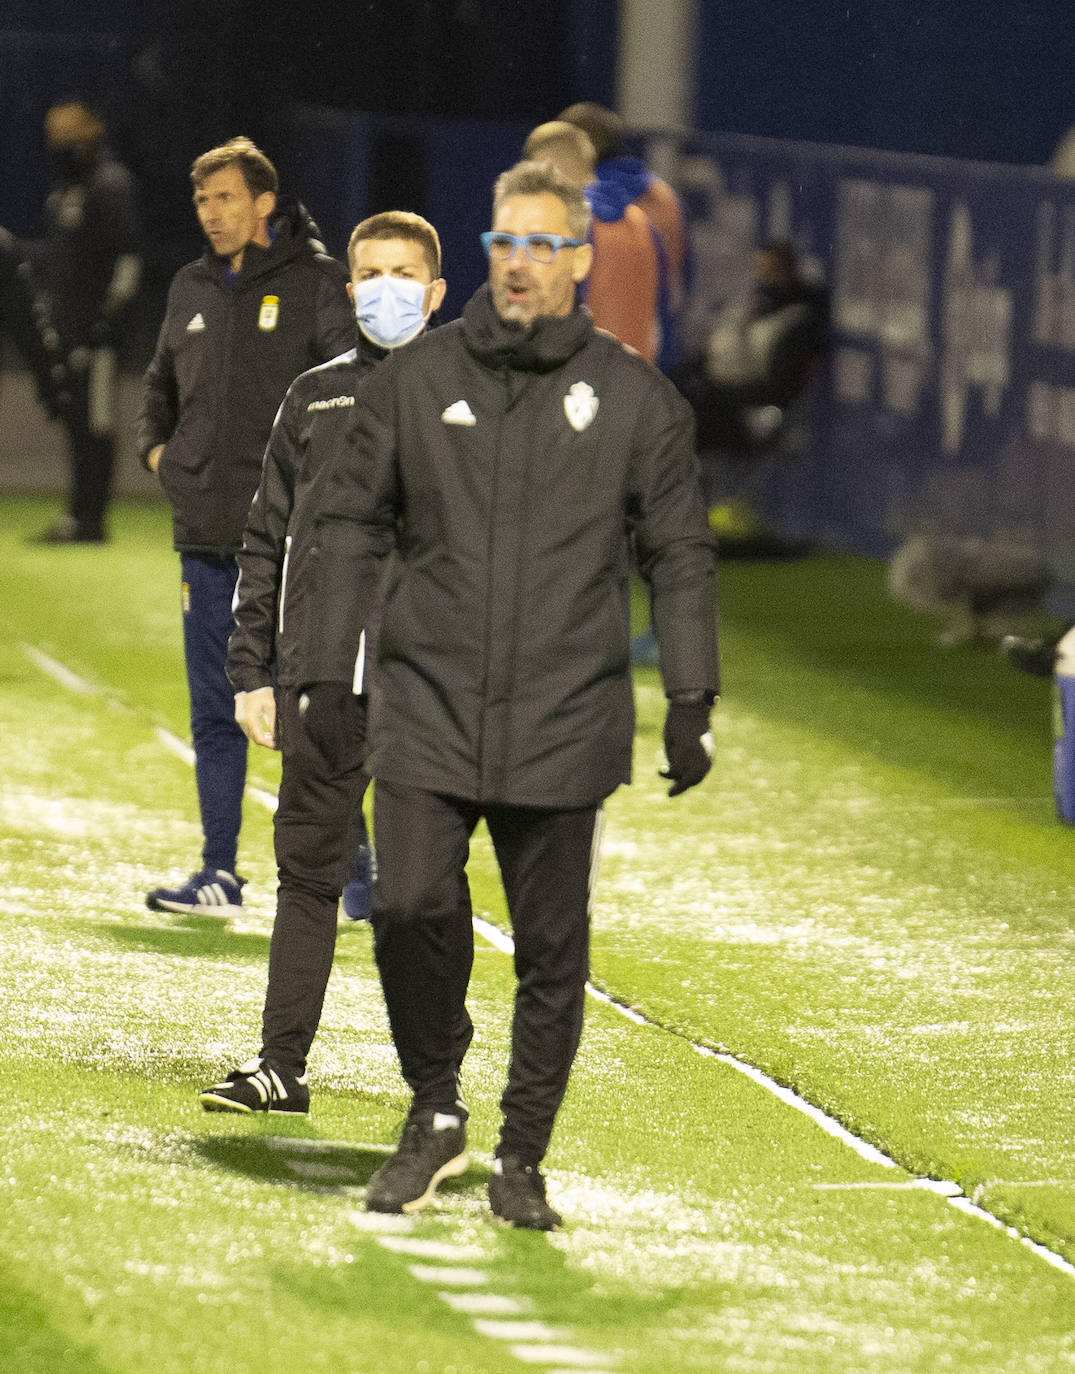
(951, 1191)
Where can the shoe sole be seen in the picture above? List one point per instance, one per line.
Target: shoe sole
(452, 1169)
(187, 908)
(213, 1102)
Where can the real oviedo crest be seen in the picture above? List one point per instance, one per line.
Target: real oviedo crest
(580, 405)
(269, 313)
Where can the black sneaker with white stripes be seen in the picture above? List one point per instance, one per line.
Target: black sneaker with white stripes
(212, 892)
(257, 1087)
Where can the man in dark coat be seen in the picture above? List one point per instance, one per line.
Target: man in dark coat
(320, 834)
(92, 269)
(510, 458)
(264, 304)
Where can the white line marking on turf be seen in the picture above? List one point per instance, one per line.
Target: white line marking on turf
(530, 1332)
(964, 1204)
(946, 1188)
(59, 671)
(431, 1249)
(180, 748)
(453, 1276)
(558, 1354)
(926, 1185)
(487, 1304)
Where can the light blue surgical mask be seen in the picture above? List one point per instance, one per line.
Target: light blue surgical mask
(390, 310)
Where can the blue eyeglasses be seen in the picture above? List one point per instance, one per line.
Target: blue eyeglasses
(539, 247)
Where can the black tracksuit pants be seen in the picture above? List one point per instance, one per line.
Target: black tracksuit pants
(318, 829)
(424, 945)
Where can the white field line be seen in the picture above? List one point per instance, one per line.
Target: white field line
(946, 1188)
(66, 677)
(58, 671)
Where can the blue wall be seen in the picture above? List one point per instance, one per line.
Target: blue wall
(950, 394)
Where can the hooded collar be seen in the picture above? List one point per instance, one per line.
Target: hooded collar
(540, 347)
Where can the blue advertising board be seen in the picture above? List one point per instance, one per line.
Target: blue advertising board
(948, 401)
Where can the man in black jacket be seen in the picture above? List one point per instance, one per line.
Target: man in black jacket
(92, 268)
(320, 834)
(264, 304)
(510, 459)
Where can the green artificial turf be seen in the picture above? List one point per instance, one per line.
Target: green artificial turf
(862, 899)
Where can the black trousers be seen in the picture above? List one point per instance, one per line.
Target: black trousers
(91, 422)
(424, 944)
(318, 829)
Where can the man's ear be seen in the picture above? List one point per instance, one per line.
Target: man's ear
(264, 205)
(351, 291)
(580, 268)
(435, 295)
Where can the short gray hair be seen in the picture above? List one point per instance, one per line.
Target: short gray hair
(542, 178)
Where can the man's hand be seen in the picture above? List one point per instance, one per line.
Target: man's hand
(688, 743)
(335, 722)
(153, 457)
(256, 713)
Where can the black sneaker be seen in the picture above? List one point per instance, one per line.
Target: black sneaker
(517, 1195)
(433, 1146)
(1034, 656)
(257, 1087)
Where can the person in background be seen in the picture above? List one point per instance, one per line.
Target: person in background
(625, 284)
(760, 356)
(320, 833)
(510, 459)
(26, 321)
(91, 269)
(262, 305)
(621, 174)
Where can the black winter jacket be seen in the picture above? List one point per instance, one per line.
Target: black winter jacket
(225, 357)
(510, 470)
(272, 595)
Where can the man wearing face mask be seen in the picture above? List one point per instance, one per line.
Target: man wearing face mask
(320, 835)
(264, 303)
(91, 271)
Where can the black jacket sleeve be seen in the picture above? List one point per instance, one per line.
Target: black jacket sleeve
(674, 544)
(263, 560)
(24, 316)
(160, 396)
(353, 511)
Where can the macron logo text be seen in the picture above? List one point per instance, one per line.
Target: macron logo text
(332, 403)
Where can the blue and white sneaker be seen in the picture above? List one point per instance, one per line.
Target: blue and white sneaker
(358, 893)
(213, 892)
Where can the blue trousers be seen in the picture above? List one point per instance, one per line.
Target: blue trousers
(219, 743)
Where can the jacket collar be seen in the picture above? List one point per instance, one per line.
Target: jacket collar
(540, 347)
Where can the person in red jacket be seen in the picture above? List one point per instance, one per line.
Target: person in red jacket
(654, 197)
(625, 285)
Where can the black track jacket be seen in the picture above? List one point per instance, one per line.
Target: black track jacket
(225, 357)
(272, 595)
(510, 470)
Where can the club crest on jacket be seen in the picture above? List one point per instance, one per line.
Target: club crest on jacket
(580, 405)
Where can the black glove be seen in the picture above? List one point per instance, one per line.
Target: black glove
(335, 723)
(688, 745)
